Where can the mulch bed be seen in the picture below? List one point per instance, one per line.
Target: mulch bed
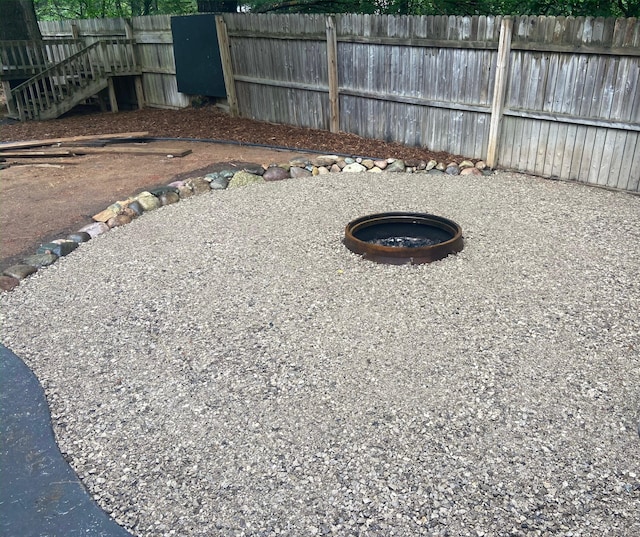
(212, 123)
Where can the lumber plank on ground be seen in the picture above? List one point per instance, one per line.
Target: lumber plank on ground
(133, 150)
(37, 154)
(38, 164)
(110, 149)
(42, 162)
(53, 141)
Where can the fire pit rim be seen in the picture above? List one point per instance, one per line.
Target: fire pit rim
(402, 255)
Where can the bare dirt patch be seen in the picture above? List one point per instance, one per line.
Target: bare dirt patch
(42, 203)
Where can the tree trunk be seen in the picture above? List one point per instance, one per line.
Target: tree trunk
(18, 20)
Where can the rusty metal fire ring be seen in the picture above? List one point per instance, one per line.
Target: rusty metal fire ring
(400, 238)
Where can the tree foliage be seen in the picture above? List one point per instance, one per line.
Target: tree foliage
(87, 9)
(593, 8)
(75, 9)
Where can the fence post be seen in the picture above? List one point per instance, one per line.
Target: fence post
(227, 66)
(499, 90)
(332, 66)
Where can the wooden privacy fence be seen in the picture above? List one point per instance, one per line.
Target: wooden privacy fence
(557, 97)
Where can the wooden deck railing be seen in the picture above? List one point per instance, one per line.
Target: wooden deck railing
(72, 77)
(24, 59)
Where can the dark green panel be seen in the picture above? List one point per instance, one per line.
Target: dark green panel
(195, 46)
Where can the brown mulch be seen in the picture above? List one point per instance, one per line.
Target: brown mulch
(212, 123)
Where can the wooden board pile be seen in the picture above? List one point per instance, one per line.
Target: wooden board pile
(20, 153)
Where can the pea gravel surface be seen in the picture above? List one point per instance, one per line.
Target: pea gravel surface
(225, 366)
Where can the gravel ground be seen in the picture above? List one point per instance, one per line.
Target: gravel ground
(224, 366)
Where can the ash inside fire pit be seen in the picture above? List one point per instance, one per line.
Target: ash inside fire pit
(399, 238)
(404, 242)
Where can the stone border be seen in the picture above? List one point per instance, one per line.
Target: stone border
(123, 212)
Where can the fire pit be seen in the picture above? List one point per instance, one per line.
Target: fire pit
(400, 238)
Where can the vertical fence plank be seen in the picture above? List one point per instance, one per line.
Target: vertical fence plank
(332, 67)
(504, 49)
(227, 68)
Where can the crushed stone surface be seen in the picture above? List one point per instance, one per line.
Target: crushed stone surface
(225, 366)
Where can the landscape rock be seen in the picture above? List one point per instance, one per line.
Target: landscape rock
(225, 174)
(440, 166)
(335, 168)
(297, 172)
(481, 164)
(382, 164)
(167, 198)
(396, 166)
(185, 192)
(375, 169)
(148, 201)
(435, 171)
(40, 260)
(8, 283)
(431, 165)
(452, 169)
(163, 190)
(109, 212)
(255, 169)
(198, 185)
(322, 170)
(136, 208)
(219, 180)
(325, 160)
(243, 178)
(119, 220)
(79, 236)
(299, 162)
(59, 249)
(275, 173)
(219, 183)
(95, 229)
(471, 171)
(19, 272)
(354, 167)
(368, 163)
(466, 164)
(127, 211)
